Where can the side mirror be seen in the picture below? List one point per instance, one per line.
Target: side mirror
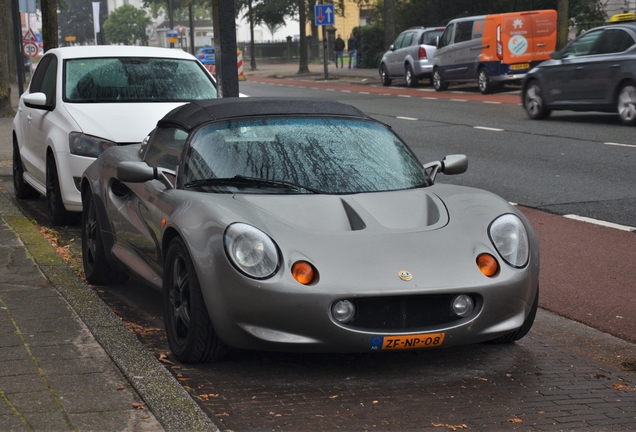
(437, 41)
(140, 172)
(392, 47)
(35, 100)
(450, 165)
(454, 164)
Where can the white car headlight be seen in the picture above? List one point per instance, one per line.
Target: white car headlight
(251, 251)
(87, 145)
(510, 238)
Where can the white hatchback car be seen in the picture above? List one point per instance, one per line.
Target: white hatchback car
(82, 100)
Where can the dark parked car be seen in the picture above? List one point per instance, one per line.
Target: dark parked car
(595, 72)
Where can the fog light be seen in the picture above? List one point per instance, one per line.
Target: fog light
(463, 305)
(343, 311)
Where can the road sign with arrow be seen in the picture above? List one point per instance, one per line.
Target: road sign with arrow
(324, 14)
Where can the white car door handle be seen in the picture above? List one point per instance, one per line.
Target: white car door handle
(29, 117)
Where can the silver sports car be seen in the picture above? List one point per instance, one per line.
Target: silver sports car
(305, 225)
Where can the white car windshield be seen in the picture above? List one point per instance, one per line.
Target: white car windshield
(301, 155)
(135, 79)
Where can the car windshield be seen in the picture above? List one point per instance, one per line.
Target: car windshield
(301, 155)
(135, 79)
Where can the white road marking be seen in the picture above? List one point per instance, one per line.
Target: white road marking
(364, 92)
(492, 102)
(458, 100)
(346, 91)
(406, 118)
(601, 223)
(407, 96)
(489, 128)
(620, 145)
(429, 98)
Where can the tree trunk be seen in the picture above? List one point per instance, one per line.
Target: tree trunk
(389, 23)
(252, 44)
(5, 90)
(304, 66)
(562, 23)
(49, 24)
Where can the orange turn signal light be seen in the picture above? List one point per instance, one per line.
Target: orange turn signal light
(487, 264)
(303, 272)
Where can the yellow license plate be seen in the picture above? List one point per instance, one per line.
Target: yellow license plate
(519, 66)
(407, 342)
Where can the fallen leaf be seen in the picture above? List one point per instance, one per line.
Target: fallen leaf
(138, 406)
(223, 415)
(145, 417)
(623, 387)
(452, 427)
(375, 402)
(515, 420)
(164, 359)
(120, 388)
(333, 397)
(203, 396)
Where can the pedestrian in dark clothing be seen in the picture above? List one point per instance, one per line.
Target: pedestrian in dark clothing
(338, 48)
(352, 48)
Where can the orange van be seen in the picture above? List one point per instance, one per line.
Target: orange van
(493, 49)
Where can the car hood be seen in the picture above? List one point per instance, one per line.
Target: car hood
(410, 210)
(119, 122)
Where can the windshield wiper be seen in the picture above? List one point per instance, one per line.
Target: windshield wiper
(240, 180)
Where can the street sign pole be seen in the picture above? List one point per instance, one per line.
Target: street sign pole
(324, 52)
(324, 16)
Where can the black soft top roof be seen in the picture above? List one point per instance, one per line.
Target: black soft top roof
(193, 114)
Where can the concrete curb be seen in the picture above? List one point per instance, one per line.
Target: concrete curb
(165, 397)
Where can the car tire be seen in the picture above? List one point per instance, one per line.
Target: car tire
(438, 81)
(483, 80)
(626, 104)
(409, 77)
(533, 101)
(384, 76)
(525, 327)
(22, 190)
(191, 336)
(96, 268)
(58, 214)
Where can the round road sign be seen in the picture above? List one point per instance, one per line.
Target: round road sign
(29, 49)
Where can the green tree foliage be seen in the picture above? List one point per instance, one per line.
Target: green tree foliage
(77, 20)
(127, 25)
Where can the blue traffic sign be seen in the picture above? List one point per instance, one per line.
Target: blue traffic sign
(324, 14)
(172, 33)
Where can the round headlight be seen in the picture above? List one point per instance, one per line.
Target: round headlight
(251, 251)
(510, 238)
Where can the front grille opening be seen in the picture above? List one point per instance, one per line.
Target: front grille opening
(403, 313)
